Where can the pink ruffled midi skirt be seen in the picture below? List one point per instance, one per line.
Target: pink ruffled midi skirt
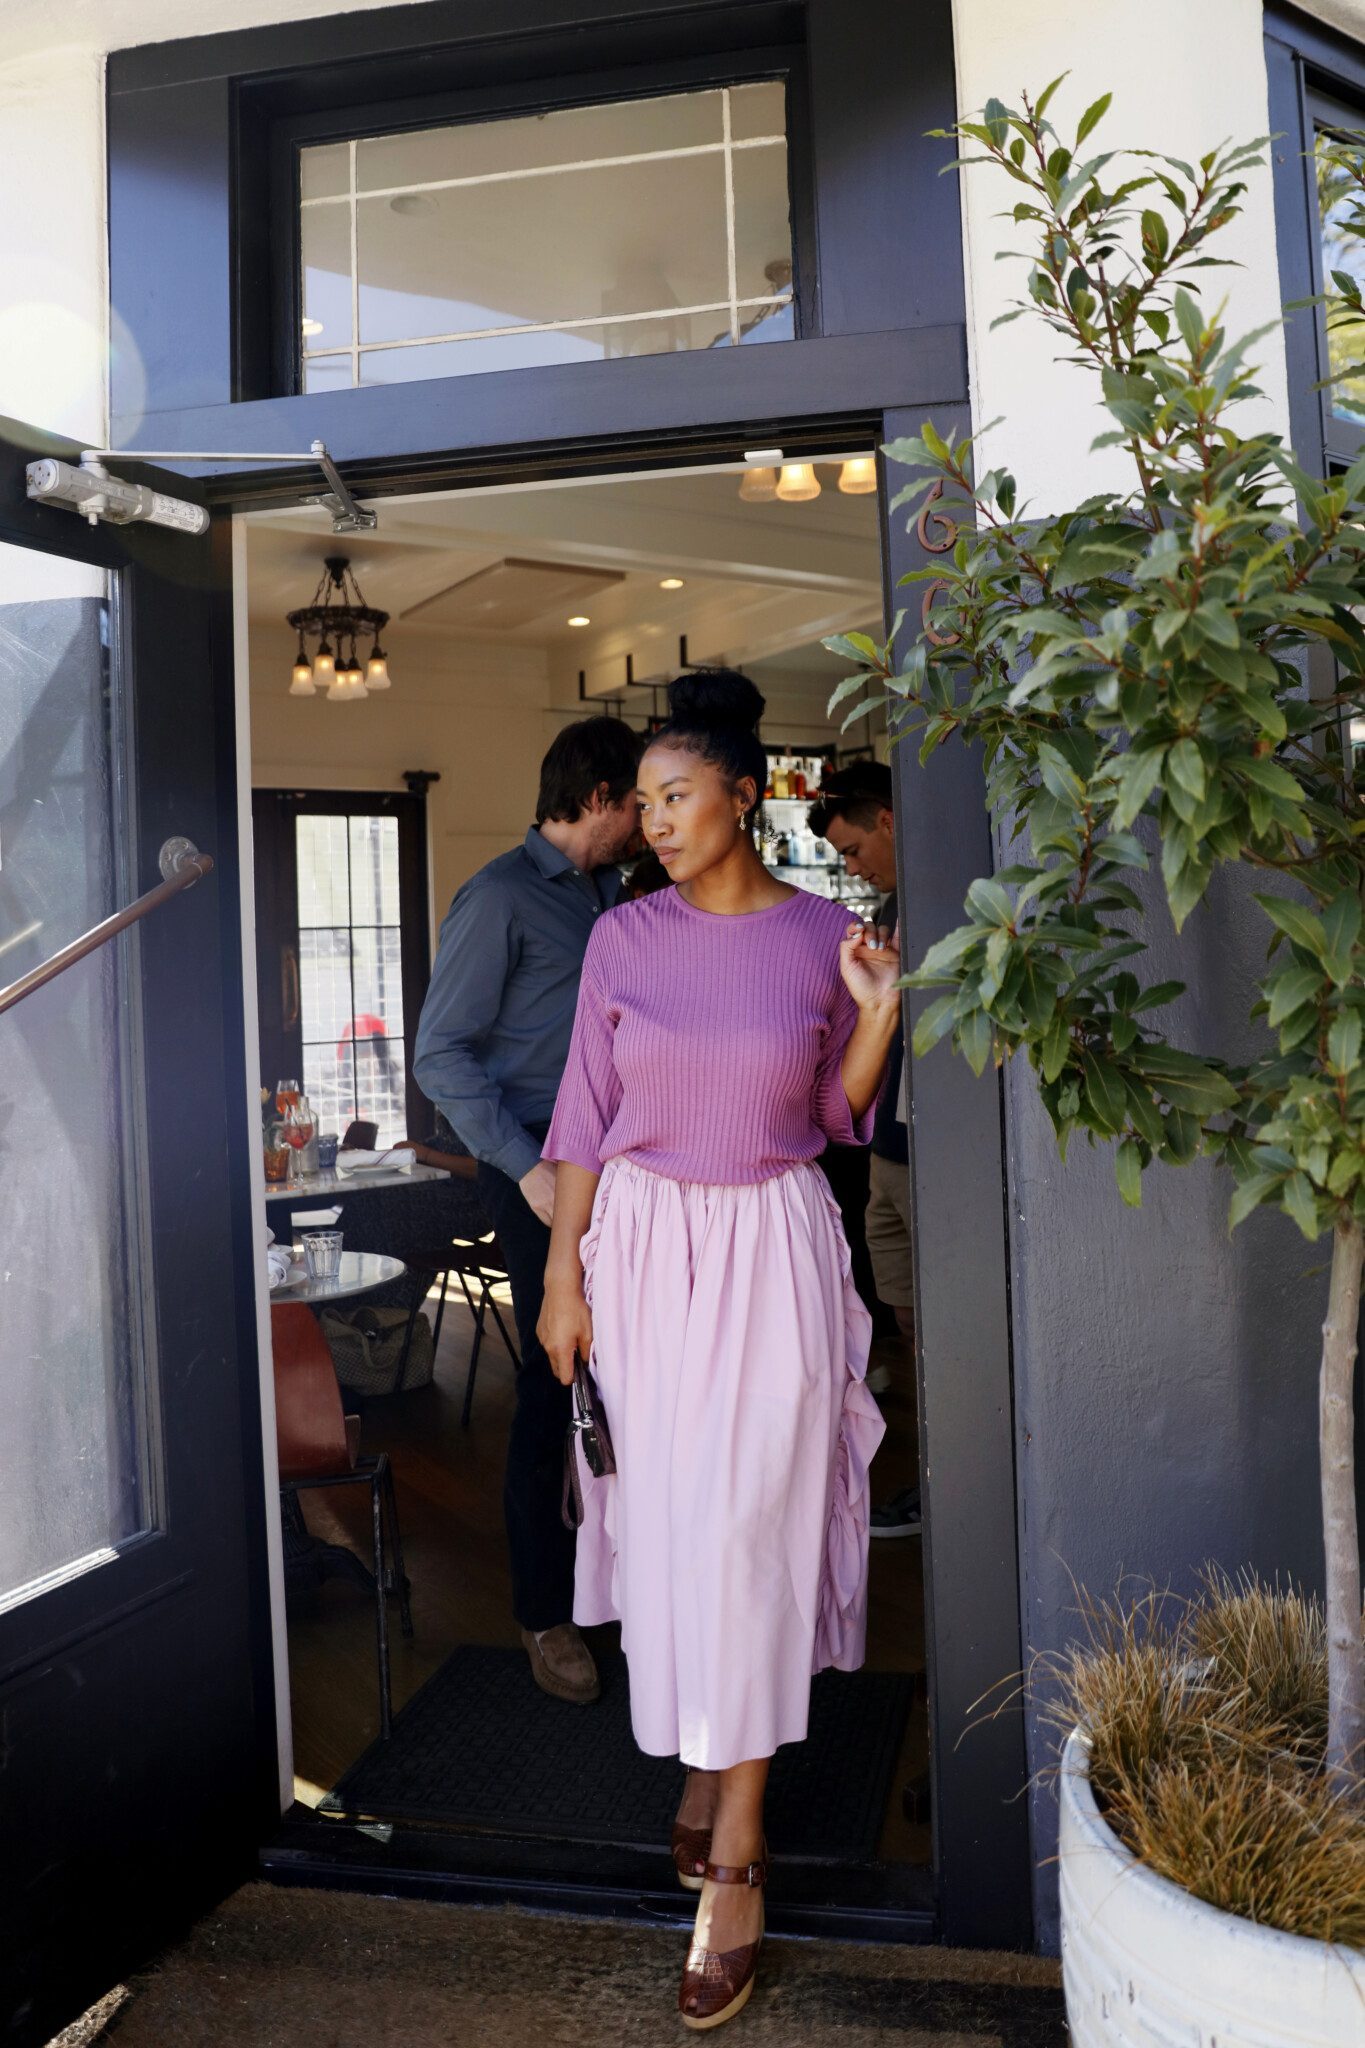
(729, 1350)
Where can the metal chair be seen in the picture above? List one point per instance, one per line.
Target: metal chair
(319, 1445)
(478, 1265)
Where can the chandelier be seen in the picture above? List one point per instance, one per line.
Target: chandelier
(339, 619)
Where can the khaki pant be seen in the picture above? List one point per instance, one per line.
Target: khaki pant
(888, 1232)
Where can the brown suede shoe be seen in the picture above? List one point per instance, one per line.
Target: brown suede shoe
(561, 1663)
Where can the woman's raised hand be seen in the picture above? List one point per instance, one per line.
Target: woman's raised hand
(870, 962)
(564, 1328)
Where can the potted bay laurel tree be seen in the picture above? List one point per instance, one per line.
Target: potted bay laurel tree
(1160, 682)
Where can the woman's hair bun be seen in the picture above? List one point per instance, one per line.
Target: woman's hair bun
(712, 697)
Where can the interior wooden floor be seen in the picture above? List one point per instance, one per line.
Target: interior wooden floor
(449, 1485)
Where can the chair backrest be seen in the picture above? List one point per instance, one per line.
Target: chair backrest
(310, 1421)
(359, 1136)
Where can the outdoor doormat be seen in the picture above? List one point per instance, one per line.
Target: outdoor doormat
(482, 1746)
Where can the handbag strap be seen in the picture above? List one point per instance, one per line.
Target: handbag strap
(571, 1501)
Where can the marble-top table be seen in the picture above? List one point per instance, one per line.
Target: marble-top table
(360, 1271)
(326, 1189)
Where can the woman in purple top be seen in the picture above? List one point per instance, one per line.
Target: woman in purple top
(727, 1027)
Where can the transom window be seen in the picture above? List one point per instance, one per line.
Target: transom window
(636, 228)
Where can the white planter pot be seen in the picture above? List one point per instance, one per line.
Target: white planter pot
(1145, 1963)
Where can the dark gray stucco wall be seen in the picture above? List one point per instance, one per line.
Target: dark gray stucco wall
(1164, 1374)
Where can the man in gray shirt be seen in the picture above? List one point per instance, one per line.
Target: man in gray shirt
(491, 1048)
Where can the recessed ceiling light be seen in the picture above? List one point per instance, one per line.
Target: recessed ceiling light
(579, 619)
(670, 583)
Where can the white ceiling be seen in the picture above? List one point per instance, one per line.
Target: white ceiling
(761, 582)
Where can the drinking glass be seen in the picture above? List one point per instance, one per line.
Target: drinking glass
(322, 1254)
(286, 1095)
(298, 1122)
(277, 1157)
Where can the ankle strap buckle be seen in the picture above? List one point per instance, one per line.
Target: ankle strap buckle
(751, 1874)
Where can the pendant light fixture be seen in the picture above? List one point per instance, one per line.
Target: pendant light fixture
(341, 621)
(757, 486)
(798, 483)
(858, 475)
(302, 684)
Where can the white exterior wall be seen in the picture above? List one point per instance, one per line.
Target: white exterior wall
(1185, 77)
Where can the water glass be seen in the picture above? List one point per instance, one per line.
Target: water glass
(322, 1254)
(327, 1151)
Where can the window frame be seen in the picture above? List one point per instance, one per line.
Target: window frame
(274, 812)
(1315, 76)
(1343, 439)
(289, 133)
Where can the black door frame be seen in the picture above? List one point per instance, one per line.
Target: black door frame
(891, 347)
(178, 1623)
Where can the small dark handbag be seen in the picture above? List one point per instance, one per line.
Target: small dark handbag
(589, 1429)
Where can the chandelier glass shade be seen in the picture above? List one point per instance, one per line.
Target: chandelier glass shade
(348, 661)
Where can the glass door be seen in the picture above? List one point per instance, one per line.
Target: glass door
(131, 1725)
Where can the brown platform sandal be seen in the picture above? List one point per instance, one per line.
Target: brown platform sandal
(716, 1983)
(691, 1852)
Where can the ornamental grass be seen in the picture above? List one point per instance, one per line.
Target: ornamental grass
(1207, 1724)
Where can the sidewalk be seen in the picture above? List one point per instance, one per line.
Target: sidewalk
(305, 1969)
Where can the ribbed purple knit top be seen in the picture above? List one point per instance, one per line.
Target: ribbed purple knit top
(708, 1048)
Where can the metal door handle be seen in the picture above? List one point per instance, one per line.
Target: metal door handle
(181, 864)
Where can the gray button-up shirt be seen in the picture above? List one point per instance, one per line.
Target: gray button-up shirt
(494, 1031)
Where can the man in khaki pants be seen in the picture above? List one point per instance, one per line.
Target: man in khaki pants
(854, 814)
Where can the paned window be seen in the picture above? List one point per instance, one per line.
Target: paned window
(351, 972)
(638, 227)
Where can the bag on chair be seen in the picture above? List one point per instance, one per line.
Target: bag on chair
(367, 1350)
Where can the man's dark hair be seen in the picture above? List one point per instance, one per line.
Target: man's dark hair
(857, 793)
(588, 753)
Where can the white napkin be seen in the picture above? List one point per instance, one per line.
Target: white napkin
(399, 1159)
(277, 1260)
(315, 1219)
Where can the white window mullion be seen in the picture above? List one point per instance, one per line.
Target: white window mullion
(730, 266)
(355, 271)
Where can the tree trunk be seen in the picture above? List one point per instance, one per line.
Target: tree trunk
(1336, 1427)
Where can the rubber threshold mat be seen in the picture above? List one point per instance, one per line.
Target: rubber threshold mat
(481, 1746)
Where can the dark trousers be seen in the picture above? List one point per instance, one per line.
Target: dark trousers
(541, 1549)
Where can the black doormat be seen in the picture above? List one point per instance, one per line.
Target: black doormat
(481, 1746)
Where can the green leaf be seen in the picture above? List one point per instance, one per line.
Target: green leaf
(1298, 1201)
(1160, 993)
(1268, 775)
(974, 1036)
(1092, 116)
(1055, 1047)
(1216, 623)
(989, 903)
(1296, 923)
(936, 1023)
(1341, 923)
(1128, 1172)
(1290, 990)
(1105, 1093)
(1140, 775)
(1249, 1194)
(1343, 1041)
(1189, 320)
(1059, 778)
(947, 954)
(1186, 764)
